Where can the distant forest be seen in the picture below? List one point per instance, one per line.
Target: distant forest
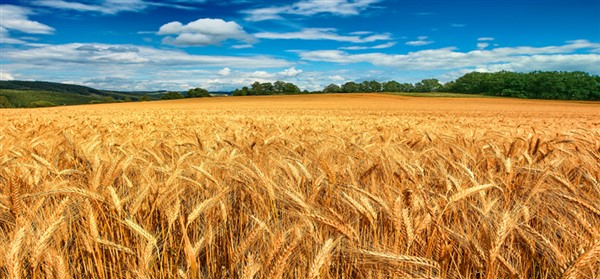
(533, 85)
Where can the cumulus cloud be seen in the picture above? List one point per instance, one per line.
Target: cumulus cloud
(311, 7)
(291, 72)
(422, 40)
(15, 18)
(485, 39)
(323, 34)
(523, 58)
(6, 76)
(203, 32)
(224, 72)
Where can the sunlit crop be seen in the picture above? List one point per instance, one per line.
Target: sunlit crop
(330, 186)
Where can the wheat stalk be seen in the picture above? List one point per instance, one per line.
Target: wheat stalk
(323, 258)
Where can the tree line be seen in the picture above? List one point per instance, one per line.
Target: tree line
(425, 85)
(535, 85)
(192, 93)
(267, 88)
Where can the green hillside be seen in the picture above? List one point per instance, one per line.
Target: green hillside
(50, 86)
(19, 94)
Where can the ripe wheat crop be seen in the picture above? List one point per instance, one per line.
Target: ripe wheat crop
(332, 186)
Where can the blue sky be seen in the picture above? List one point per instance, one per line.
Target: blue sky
(223, 45)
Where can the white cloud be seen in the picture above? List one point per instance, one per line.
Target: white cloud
(355, 48)
(386, 45)
(291, 72)
(422, 40)
(93, 56)
(15, 18)
(361, 33)
(381, 46)
(242, 46)
(6, 76)
(263, 14)
(262, 75)
(11, 41)
(482, 45)
(311, 7)
(114, 6)
(322, 34)
(485, 39)
(458, 25)
(224, 72)
(336, 78)
(105, 7)
(516, 58)
(131, 67)
(203, 32)
(183, 79)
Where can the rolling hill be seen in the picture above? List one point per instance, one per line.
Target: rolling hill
(17, 93)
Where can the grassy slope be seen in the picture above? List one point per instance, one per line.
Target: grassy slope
(23, 98)
(23, 93)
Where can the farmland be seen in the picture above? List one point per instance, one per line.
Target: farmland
(320, 186)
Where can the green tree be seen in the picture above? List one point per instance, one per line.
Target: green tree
(470, 83)
(171, 96)
(242, 92)
(446, 87)
(144, 98)
(279, 87)
(332, 88)
(265, 88)
(197, 93)
(407, 87)
(537, 84)
(370, 86)
(391, 86)
(351, 87)
(290, 88)
(428, 85)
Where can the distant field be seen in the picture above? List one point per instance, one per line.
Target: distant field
(439, 94)
(305, 186)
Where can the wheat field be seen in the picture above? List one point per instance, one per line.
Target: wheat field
(328, 186)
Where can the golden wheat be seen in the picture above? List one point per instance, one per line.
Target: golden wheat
(329, 186)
